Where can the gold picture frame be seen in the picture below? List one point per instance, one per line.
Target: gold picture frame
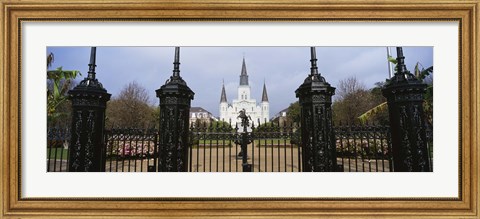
(15, 12)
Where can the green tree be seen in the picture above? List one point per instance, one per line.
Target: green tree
(220, 126)
(378, 113)
(131, 108)
(293, 113)
(351, 101)
(59, 82)
(267, 127)
(156, 115)
(426, 75)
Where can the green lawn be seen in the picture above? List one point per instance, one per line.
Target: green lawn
(214, 143)
(273, 141)
(268, 142)
(60, 155)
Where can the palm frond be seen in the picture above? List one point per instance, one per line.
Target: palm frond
(371, 112)
(392, 60)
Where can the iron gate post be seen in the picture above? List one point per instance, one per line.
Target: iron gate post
(89, 100)
(317, 136)
(175, 97)
(404, 93)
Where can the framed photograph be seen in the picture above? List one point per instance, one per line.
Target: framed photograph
(281, 46)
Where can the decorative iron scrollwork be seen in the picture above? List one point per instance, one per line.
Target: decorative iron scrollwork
(404, 95)
(89, 100)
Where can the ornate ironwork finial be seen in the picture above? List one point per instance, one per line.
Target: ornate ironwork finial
(176, 63)
(89, 101)
(91, 66)
(90, 80)
(244, 118)
(405, 97)
(313, 60)
(401, 68)
(315, 93)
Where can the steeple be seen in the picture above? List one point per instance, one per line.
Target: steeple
(243, 75)
(264, 95)
(223, 97)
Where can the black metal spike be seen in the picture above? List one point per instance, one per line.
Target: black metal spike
(401, 67)
(313, 60)
(176, 63)
(91, 65)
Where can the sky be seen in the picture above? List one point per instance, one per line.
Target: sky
(204, 69)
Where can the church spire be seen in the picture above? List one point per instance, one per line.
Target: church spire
(223, 97)
(264, 95)
(244, 75)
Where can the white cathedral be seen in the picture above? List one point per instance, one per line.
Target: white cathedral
(229, 112)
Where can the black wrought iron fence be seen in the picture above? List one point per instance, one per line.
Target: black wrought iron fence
(274, 147)
(368, 148)
(278, 147)
(57, 149)
(213, 149)
(429, 134)
(131, 150)
(126, 150)
(363, 148)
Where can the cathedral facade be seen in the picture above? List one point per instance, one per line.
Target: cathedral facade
(257, 112)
